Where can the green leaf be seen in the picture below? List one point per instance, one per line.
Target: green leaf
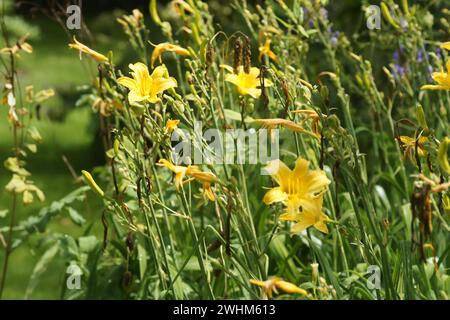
(3, 213)
(76, 218)
(236, 116)
(87, 244)
(110, 153)
(40, 267)
(142, 258)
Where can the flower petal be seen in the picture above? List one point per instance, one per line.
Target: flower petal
(275, 195)
(278, 171)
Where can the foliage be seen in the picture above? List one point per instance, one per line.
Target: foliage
(367, 140)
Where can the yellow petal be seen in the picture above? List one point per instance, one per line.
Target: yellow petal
(85, 49)
(433, 87)
(253, 92)
(274, 195)
(162, 85)
(171, 125)
(305, 220)
(289, 216)
(301, 168)
(227, 67)
(321, 226)
(233, 78)
(445, 45)
(290, 288)
(163, 47)
(128, 82)
(141, 75)
(208, 191)
(278, 171)
(257, 282)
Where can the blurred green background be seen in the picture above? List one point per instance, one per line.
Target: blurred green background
(66, 131)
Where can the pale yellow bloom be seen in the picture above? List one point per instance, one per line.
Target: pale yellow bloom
(132, 23)
(85, 49)
(299, 190)
(171, 125)
(246, 83)
(267, 31)
(271, 124)
(271, 285)
(167, 47)
(145, 87)
(266, 51)
(442, 78)
(313, 116)
(206, 178)
(21, 44)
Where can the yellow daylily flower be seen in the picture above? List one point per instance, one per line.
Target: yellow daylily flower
(206, 178)
(180, 171)
(297, 189)
(445, 45)
(408, 145)
(266, 51)
(271, 285)
(246, 83)
(145, 87)
(442, 78)
(310, 216)
(167, 47)
(171, 125)
(85, 49)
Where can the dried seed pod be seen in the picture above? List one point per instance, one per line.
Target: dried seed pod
(421, 209)
(285, 88)
(127, 279)
(238, 51)
(209, 55)
(214, 246)
(264, 97)
(130, 241)
(247, 56)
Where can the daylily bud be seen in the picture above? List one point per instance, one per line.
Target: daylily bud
(92, 184)
(420, 114)
(387, 15)
(116, 147)
(405, 7)
(314, 272)
(442, 155)
(153, 8)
